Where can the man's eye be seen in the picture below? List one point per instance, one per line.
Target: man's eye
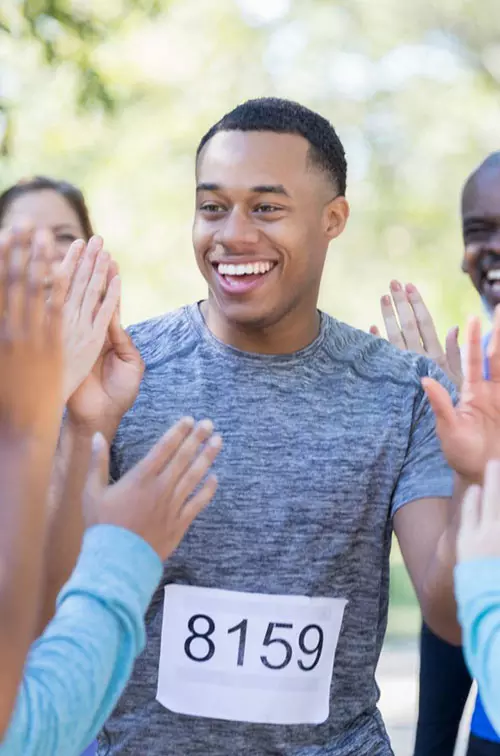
(267, 209)
(211, 207)
(479, 229)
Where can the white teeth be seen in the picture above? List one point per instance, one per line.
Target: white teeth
(245, 269)
(494, 275)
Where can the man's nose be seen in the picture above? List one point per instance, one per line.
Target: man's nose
(238, 231)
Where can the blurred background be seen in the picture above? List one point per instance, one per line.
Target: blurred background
(114, 95)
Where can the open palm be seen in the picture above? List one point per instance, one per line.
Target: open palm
(111, 387)
(470, 432)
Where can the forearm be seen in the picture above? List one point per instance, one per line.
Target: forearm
(66, 525)
(77, 670)
(477, 586)
(25, 467)
(437, 596)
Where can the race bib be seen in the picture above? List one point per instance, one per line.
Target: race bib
(248, 657)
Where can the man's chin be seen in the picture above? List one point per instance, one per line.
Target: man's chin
(490, 303)
(246, 316)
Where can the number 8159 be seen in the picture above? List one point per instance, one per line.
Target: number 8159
(310, 642)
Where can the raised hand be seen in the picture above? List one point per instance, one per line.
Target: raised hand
(155, 498)
(111, 387)
(31, 346)
(479, 534)
(409, 325)
(31, 406)
(470, 432)
(91, 300)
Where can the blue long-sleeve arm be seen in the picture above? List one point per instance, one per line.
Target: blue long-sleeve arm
(477, 588)
(77, 669)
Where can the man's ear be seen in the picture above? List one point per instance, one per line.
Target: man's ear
(336, 216)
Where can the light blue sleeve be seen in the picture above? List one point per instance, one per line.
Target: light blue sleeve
(77, 669)
(477, 589)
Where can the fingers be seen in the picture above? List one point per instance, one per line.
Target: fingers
(474, 358)
(375, 331)
(391, 323)
(196, 472)
(107, 309)
(84, 272)
(425, 324)
(494, 348)
(199, 501)
(471, 505)
(453, 354)
(407, 319)
(491, 493)
(163, 451)
(442, 406)
(186, 454)
(5, 251)
(17, 288)
(113, 271)
(66, 269)
(38, 312)
(96, 286)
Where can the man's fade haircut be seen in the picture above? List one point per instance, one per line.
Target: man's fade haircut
(287, 117)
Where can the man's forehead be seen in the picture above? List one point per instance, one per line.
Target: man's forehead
(482, 196)
(260, 154)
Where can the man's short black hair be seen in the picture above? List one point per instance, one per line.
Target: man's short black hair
(490, 164)
(288, 117)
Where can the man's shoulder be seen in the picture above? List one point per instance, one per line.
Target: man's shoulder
(374, 358)
(164, 336)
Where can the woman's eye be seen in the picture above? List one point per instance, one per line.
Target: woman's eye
(66, 238)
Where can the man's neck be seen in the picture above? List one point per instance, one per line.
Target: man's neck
(289, 335)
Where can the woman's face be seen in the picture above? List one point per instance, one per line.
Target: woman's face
(47, 209)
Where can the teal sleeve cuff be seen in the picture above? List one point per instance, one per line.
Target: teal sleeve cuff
(113, 562)
(477, 579)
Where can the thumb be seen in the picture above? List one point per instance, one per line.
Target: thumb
(98, 474)
(374, 330)
(121, 341)
(453, 352)
(441, 403)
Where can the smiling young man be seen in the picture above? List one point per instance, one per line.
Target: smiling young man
(266, 631)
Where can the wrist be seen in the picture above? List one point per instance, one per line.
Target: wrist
(87, 428)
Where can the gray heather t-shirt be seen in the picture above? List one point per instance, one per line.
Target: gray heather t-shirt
(321, 447)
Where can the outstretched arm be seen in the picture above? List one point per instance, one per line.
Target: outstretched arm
(31, 401)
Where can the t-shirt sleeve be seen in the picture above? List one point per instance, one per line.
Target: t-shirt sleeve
(425, 472)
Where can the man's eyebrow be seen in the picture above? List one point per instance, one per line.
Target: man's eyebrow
(207, 187)
(260, 189)
(270, 189)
